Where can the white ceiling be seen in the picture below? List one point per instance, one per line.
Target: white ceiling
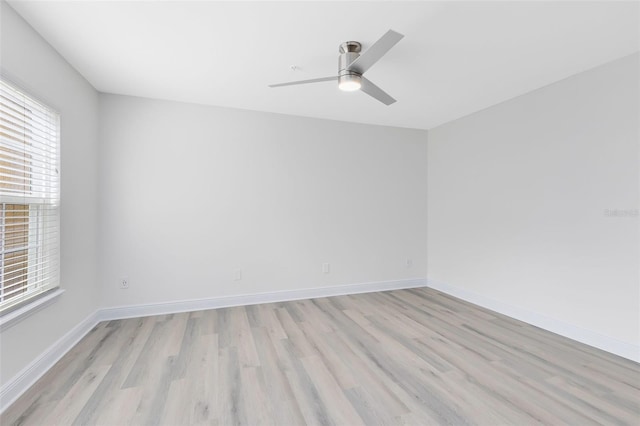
(456, 58)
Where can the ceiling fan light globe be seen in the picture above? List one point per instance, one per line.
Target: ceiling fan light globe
(349, 86)
(349, 83)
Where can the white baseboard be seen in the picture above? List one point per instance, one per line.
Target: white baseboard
(135, 311)
(582, 335)
(22, 381)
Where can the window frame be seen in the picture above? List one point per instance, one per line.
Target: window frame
(38, 298)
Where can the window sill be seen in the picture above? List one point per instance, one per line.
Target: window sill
(12, 318)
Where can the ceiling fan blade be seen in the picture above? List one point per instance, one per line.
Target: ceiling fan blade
(375, 52)
(375, 92)
(313, 80)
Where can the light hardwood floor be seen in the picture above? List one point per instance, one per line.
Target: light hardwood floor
(400, 357)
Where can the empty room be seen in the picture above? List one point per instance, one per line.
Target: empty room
(319, 213)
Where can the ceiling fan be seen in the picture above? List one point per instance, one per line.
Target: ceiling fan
(352, 65)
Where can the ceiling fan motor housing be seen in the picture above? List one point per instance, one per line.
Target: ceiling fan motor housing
(349, 52)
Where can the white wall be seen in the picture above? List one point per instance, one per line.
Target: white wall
(30, 62)
(517, 200)
(189, 194)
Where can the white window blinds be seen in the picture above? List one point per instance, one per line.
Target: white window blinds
(29, 198)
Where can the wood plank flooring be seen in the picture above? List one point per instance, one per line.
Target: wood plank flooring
(393, 358)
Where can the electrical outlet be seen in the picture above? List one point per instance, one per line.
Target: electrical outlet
(237, 275)
(326, 268)
(124, 283)
(408, 263)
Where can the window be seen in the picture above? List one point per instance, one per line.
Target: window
(29, 198)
